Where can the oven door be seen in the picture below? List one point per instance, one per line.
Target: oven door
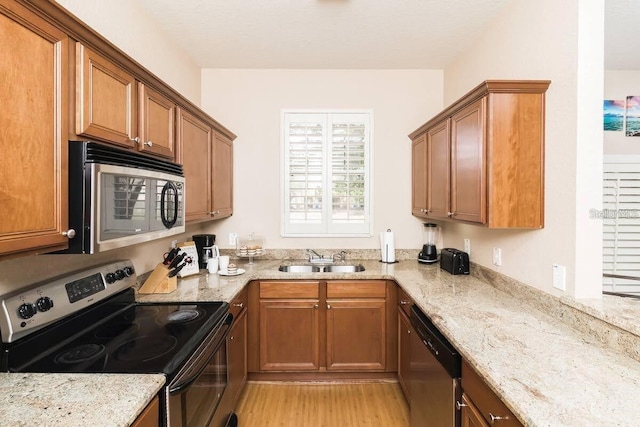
(195, 393)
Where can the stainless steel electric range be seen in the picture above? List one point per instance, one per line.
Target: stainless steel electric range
(89, 322)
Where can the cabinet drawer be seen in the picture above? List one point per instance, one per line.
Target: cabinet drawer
(404, 301)
(484, 398)
(359, 289)
(238, 304)
(289, 290)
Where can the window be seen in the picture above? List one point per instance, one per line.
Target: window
(326, 173)
(621, 223)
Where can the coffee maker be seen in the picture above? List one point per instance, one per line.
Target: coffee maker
(204, 247)
(431, 234)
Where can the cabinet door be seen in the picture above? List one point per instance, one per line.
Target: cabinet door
(356, 335)
(194, 142)
(438, 171)
(237, 354)
(105, 99)
(468, 173)
(404, 353)
(33, 165)
(470, 416)
(222, 184)
(289, 335)
(150, 417)
(419, 176)
(157, 119)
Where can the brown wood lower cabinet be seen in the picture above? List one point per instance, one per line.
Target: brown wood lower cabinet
(318, 326)
(150, 416)
(289, 326)
(237, 347)
(484, 407)
(404, 342)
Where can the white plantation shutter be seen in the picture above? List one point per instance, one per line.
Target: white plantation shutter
(621, 224)
(326, 173)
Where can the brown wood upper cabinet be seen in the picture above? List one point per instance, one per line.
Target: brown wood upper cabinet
(113, 107)
(34, 120)
(481, 160)
(106, 107)
(207, 158)
(157, 119)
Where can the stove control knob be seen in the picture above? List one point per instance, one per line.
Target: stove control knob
(119, 274)
(44, 304)
(110, 278)
(27, 310)
(128, 271)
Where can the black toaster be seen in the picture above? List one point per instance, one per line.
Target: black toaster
(454, 261)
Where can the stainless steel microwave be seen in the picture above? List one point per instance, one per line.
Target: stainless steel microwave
(119, 198)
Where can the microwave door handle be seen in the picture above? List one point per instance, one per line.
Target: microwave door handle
(169, 186)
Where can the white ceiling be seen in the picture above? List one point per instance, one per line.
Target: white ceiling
(366, 34)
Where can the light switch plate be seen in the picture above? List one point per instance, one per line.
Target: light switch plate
(232, 238)
(559, 277)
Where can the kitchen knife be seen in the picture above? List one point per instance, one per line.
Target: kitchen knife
(176, 270)
(177, 260)
(171, 255)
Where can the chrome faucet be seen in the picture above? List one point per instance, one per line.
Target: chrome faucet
(341, 256)
(311, 253)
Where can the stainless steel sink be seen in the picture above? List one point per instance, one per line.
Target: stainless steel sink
(331, 268)
(301, 268)
(346, 268)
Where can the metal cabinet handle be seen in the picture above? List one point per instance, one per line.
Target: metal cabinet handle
(431, 347)
(405, 302)
(136, 140)
(495, 418)
(238, 304)
(328, 306)
(212, 213)
(449, 214)
(231, 337)
(316, 306)
(70, 233)
(149, 143)
(460, 405)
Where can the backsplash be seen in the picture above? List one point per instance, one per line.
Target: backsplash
(291, 254)
(616, 325)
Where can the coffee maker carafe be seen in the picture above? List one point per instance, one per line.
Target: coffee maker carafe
(431, 234)
(205, 247)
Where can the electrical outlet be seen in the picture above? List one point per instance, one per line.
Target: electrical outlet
(467, 246)
(232, 238)
(174, 243)
(497, 256)
(559, 277)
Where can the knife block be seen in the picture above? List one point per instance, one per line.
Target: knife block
(158, 282)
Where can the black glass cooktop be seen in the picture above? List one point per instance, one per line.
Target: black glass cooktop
(118, 337)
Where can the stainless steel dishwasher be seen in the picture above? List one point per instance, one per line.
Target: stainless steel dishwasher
(434, 375)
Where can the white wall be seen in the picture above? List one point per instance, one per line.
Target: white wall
(250, 101)
(618, 84)
(561, 42)
(130, 28)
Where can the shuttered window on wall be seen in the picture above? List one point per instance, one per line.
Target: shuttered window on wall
(326, 160)
(621, 223)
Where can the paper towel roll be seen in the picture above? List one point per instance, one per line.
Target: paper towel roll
(387, 246)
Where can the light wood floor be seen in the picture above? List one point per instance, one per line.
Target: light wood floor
(318, 404)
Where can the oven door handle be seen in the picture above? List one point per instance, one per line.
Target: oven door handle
(199, 361)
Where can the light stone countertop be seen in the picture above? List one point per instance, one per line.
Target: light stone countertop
(75, 400)
(546, 372)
